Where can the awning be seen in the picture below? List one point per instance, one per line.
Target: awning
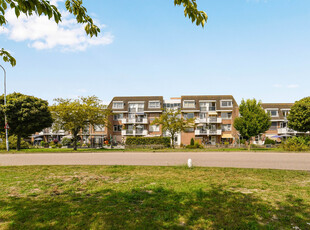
(200, 125)
(38, 139)
(212, 113)
(227, 136)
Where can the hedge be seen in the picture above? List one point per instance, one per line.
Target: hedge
(165, 141)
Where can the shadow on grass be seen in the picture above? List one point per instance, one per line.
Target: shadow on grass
(158, 208)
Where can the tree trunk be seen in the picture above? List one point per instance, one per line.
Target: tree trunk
(75, 134)
(172, 140)
(18, 142)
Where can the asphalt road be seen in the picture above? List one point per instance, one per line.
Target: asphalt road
(293, 161)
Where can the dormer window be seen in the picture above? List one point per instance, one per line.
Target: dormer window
(189, 104)
(118, 105)
(154, 104)
(226, 103)
(273, 112)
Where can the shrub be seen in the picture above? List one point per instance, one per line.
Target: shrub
(268, 141)
(65, 141)
(295, 144)
(59, 145)
(192, 141)
(165, 141)
(196, 145)
(226, 143)
(13, 143)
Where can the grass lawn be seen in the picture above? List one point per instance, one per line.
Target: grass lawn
(134, 197)
(69, 150)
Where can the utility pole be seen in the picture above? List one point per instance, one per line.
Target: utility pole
(6, 127)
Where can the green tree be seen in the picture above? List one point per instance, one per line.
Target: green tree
(172, 123)
(299, 116)
(26, 115)
(79, 114)
(76, 8)
(253, 119)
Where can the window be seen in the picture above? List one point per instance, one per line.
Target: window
(226, 104)
(99, 128)
(285, 113)
(189, 130)
(117, 128)
(189, 104)
(117, 117)
(226, 127)
(188, 115)
(118, 105)
(154, 128)
(136, 107)
(154, 104)
(273, 113)
(274, 126)
(226, 115)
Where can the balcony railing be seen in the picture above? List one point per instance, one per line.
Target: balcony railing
(208, 132)
(286, 131)
(132, 132)
(136, 110)
(209, 120)
(135, 121)
(206, 109)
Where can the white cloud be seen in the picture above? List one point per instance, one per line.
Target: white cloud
(42, 33)
(277, 85)
(292, 86)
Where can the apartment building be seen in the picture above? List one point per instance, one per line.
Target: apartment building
(279, 123)
(133, 117)
(214, 116)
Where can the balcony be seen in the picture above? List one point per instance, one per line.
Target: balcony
(208, 132)
(135, 121)
(209, 120)
(131, 132)
(286, 131)
(207, 109)
(136, 110)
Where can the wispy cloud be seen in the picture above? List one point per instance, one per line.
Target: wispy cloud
(293, 86)
(42, 33)
(277, 85)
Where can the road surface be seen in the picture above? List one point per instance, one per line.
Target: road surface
(293, 161)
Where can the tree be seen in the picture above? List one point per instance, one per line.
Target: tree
(299, 116)
(76, 8)
(253, 119)
(172, 122)
(25, 115)
(77, 115)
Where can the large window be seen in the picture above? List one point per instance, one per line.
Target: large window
(274, 126)
(118, 105)
(117, 117)
(154, 128)
(285, 112)
(189, 104)
(154, 104)
(226, 115)
(226, 104)
(136, 107)
(226, 127)
(99, 128)
(273, 113)
(117, 128)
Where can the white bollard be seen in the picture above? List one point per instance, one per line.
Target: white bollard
(189, 163)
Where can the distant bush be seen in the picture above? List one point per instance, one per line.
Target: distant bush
(65, 141)
(59, 145)
(165, 141)
(192, 142)
(196, 145)
(295, 144)
(13, 143)
(268, 141)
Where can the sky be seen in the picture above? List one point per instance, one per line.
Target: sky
(248, 48)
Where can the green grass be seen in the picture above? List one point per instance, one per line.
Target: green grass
(134, 197)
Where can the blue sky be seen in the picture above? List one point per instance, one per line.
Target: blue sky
(249, 48)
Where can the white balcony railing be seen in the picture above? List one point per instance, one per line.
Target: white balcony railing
(206, 109)
(135, 121)
(208, 132)
(286, 131)
(209, 120)
(131, 132)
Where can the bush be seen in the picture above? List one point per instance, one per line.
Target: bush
(196, 145)
(66, 141)
(59, 145)
(295, 144)
(165, 141)
(13, 143)
(192, 142)
(268, 141)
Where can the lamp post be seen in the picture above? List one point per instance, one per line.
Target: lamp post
(5, 119)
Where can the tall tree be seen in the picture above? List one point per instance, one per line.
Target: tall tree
(25, 115)
(172, 123)
(77, 115)
(299, 116)
(253, 119)
(76, 8)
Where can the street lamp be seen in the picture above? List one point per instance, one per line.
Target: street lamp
(5, 119)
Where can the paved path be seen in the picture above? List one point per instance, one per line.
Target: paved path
(294, 161)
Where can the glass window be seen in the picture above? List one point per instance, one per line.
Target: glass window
(274, 126)
(188, 115)
(99, 128)
(273, 113)
(226, 103)
(118, 105)
(117, 128)
(154, 104)
(226, 127)
(118, 116)
(154, 128)
(226, 115)
(189, 104)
